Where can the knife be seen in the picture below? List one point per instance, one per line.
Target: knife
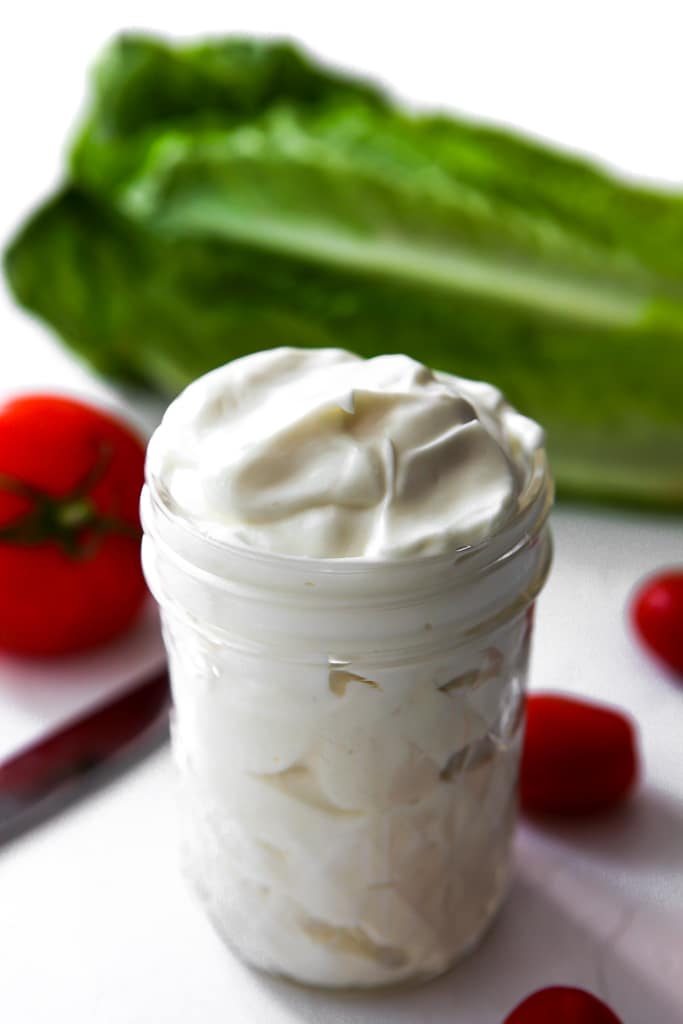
(83, 755)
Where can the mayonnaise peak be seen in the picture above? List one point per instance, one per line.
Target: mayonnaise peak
(319, 453)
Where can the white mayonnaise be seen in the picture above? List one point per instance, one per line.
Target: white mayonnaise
(321, 453)
(345, 553)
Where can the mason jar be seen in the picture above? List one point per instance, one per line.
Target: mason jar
(347, 737)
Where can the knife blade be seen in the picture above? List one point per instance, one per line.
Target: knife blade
(81, 756)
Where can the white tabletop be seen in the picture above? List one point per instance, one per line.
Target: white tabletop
(96, 926)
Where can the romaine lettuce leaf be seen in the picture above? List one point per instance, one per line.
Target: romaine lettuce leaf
(234, 196)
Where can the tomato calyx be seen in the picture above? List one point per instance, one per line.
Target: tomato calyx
(72, 521)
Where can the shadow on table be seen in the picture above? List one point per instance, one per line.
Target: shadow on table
(555, 928)
(646, 832)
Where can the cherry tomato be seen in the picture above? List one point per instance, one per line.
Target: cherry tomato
(70, 481)
(578, 757)
(561, 1005)
(657, 613)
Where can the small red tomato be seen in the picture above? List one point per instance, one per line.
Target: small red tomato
(70, 481)
(657, 613)
(577, 757)
(560, 1005)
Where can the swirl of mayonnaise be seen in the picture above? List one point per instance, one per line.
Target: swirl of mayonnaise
(320, 453)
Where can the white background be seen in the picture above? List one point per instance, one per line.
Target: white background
(95, 925)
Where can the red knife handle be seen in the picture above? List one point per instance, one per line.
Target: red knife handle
(80, 746)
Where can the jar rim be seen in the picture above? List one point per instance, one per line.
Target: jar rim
(533, 507)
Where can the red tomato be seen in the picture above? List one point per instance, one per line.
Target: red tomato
(577, 757)
(657, 613)
(70, 481)
(560, 1005)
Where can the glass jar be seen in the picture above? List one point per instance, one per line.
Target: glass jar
(347, 735)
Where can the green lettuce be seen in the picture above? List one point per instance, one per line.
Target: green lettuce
(234, 196)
